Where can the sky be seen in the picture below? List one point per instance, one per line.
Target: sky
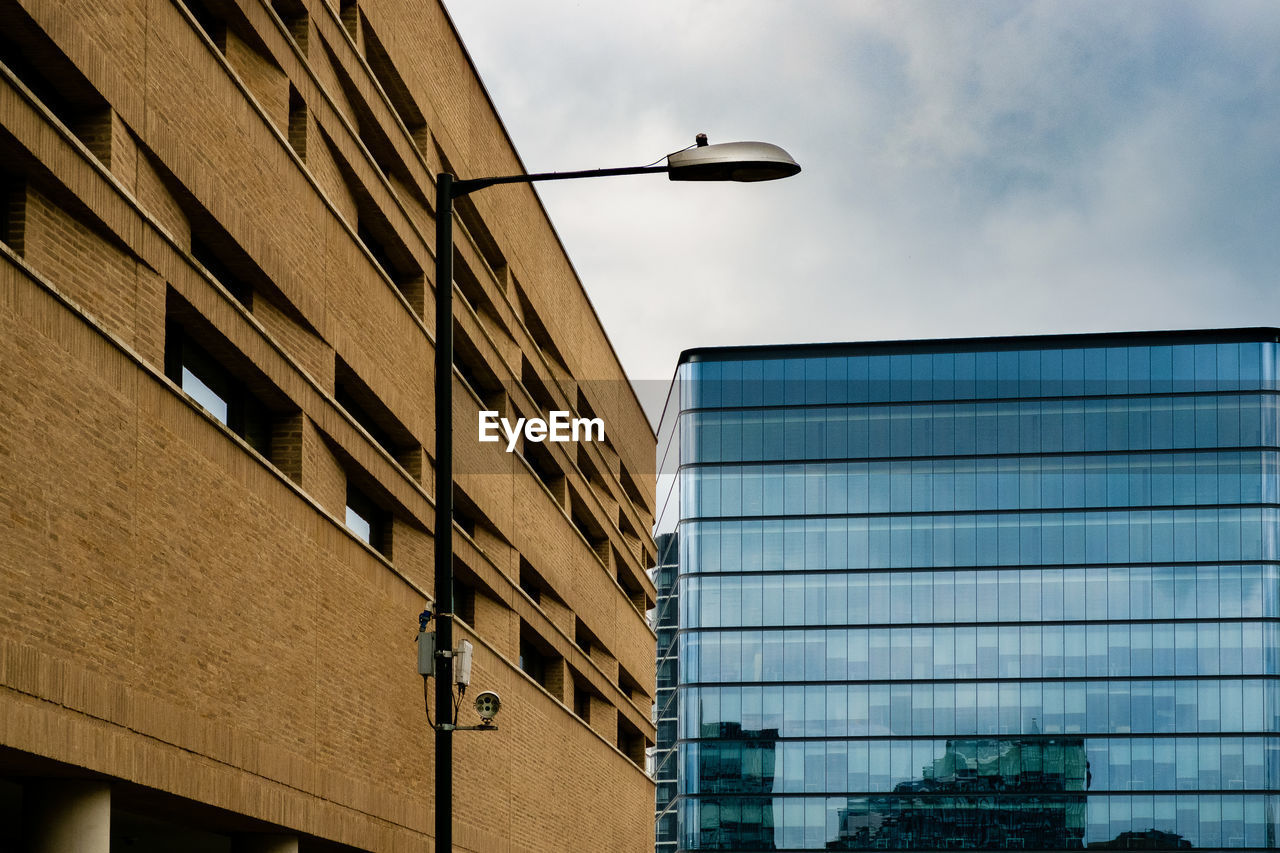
(969, 169)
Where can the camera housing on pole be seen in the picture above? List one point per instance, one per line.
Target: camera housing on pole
(457, 663)
(487, 706)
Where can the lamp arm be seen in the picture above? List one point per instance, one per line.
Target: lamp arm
(461, 188)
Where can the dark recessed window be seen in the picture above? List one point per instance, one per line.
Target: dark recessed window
(394, 86)
(348, 401)
(13, 202)
(464, 601)
(202, 389)
(533, 583)
(350, 14)
(631, 742)
(215, 262)
(297, 123)
(584, 639)
(629, 686)
(375, 418)
(533, 662)
(214, 26)
(582, 702)
(367, 520)
(540, 661)
(218, 391)
(36, 60)
(294, 15)
(220, 379)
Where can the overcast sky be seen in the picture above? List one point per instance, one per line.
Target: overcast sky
(973, 168)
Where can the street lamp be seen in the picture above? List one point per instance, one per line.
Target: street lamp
(729, 161)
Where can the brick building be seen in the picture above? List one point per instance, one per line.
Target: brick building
(216, 490)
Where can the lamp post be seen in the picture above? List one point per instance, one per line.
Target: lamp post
(729, 161)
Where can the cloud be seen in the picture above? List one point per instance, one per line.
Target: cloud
(969, 168)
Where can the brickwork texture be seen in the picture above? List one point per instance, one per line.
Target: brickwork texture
(215, 343)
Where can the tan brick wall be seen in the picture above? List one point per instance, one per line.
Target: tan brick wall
(92, 271)
(183, 613)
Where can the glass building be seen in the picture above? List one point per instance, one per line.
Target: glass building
(1015, 593)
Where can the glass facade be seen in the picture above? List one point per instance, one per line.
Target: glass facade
(1007, 593)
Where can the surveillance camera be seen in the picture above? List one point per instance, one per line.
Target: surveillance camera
(487, 705)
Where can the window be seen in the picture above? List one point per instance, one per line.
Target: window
(582, 700)
(632, 491)
(535, 585)
(546, 469)
(43, 68)
(464, 601)
(373, 227)
(532, 663)
(541, 662)
(473, 597)
(219, 391)
(483, 239)
(538, 331)
(297, 131)
(209, 258)
(393, 85)
(631, 741)
(214, 26)
(629, 686)
(200, 376)
(367, 520)
(635, 591)
(583, 637)
(294, 16)
(477, 374)
(230, 388)
(591, 530)
(350, 14)
(13, 202)
(366, 409)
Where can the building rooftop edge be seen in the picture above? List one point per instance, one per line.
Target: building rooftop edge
(976, 344)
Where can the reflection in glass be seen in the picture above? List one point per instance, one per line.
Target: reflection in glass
(963, 800)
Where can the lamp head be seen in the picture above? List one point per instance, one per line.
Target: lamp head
(731, 161)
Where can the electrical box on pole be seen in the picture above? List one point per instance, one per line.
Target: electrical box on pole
(427, 653)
